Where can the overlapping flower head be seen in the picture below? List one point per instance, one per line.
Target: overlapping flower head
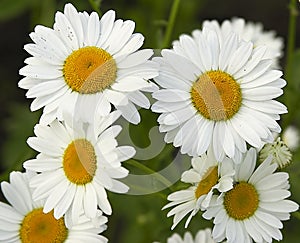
(206, 175)
(217, 92)
(217, 99)
(86, 72)
(76, 164)
(254, 208)
(253, 32)
(24, 220)
(85, 65)
(202, 236)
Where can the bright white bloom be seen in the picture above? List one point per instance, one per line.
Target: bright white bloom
(23, 220)
(206, 176)
(217, 92)
(253, 32)
(85, 65)
(254, 208)
(291, 137)
(281, 155)
(77, 164)
(202, 236)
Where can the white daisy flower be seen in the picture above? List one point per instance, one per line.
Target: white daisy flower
(253, 32)
(217, 93)
(24, 220)
(206, 176)
(202, 236)
(85, 65)
(254, 208)
(281, 155)
(291, 137)
(77, 164)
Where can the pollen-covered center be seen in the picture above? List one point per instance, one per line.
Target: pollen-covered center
(80, 162)
(38, 227)
(216, 95)
(89, 70)
(208, 181)
(241, 201)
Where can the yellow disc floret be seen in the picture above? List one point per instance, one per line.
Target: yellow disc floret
(209, 180)
(80, 162)
(242, 201)
(216, 95)
(38, 227)
(89, 70)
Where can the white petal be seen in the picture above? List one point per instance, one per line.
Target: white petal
(93, 29)
(136, 58)
(65, 29)
(130, 113)
(171, 95)
(102, 200)
(115, 97)
(41, 72)
(230, 45)
(90, 201)
(65, 202)
(179, 116)
(262, 93)
(246, 132)
(106, 25)
(134, 43)
(183, 66)
(56, 195)
(247, 167)
(139, 99)
(130, 84)
(255, 59)
(260, 69)
(269, 219)
(240, 57)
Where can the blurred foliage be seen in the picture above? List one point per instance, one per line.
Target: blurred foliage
(14, 150)
(135, 219)
(291, 97)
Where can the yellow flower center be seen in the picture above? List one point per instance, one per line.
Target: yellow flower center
(216, 95)
(80, 162)
(241, 201)
(89, 70)
(38, 227)
(209, 179)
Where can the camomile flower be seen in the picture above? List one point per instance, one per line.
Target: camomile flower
(77, 163)
(253, 32)
(254, 208)
(205, 176)
(217, 92)
(85, 65)
(24, 220)
(281, 155)
(202, 236)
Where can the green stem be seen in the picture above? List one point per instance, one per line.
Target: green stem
(288, 72)
(96, 6)
(147, 170)
(291, 39)
(171, 22)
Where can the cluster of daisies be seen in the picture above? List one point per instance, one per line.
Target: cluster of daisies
(215, 91)
(217, 105)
